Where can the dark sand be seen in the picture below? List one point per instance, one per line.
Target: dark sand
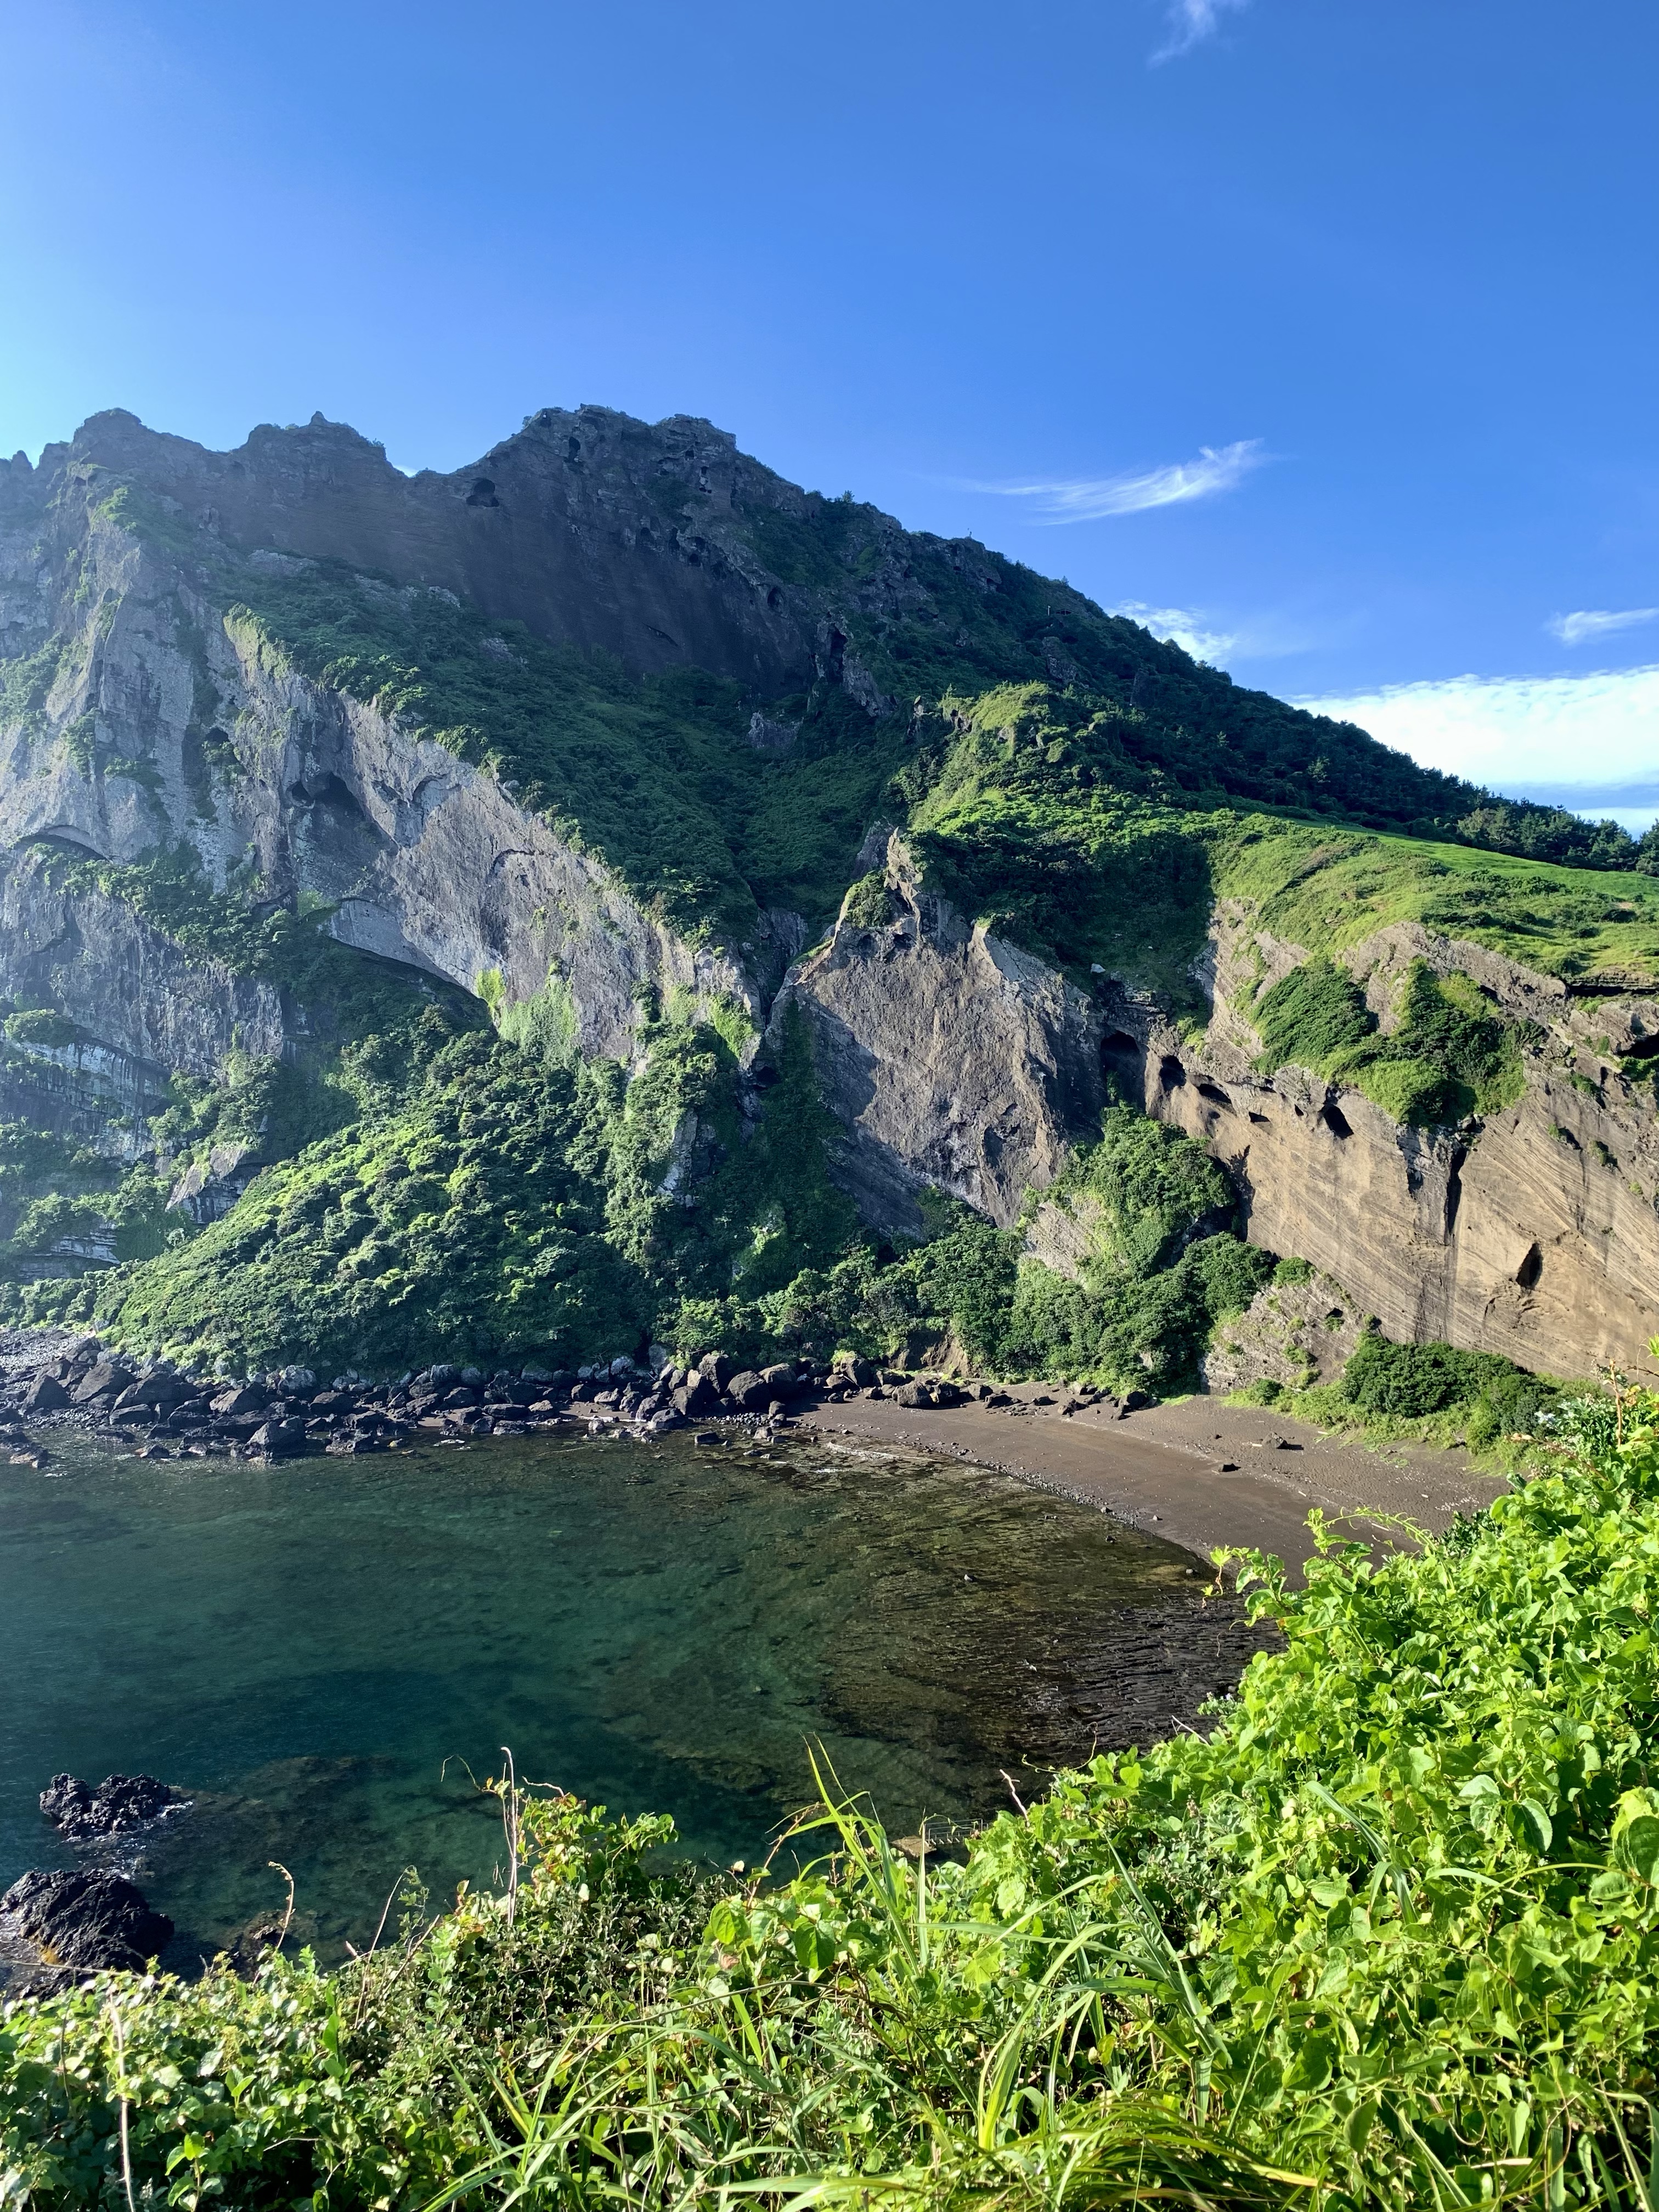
(1163, 1469)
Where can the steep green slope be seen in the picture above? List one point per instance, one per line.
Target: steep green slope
(1026, 808)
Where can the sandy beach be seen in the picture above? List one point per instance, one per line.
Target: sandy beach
(1199, 1473)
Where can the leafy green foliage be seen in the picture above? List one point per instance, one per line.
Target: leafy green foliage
(1411, 1382)
(1163, 1271)
(1451, 1053)
(40, 1025)
(1311, 1015)
(512, 1203)
(1388, 1936)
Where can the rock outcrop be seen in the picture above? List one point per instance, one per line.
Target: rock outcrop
(75, 1925)
(952, 1061)
(425, 860)
(121, 1805)
(1534, 1233)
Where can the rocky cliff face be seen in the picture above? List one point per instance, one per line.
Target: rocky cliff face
(952, 1061)
(140, 1006)
(590, 528)
(158, 721)
(1535, 1234)
(141, 711)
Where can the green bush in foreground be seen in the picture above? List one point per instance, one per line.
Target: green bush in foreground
(1390, 1936)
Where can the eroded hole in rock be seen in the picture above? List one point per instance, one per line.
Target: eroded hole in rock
(1531, 1268)
(573, 451)
(775, 599)
(329, 791)
(1170, 1073)
(1215, 1093)
(1334, 1119)
(482, 493)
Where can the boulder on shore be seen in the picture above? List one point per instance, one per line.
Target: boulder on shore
(81, 1923)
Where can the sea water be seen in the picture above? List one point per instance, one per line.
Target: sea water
(330, 1654)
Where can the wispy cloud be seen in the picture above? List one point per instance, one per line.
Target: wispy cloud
(1192, 21)
(1585, 742)
(1091, 498)
(1595, 622)
(1185, 626)
(1264, 634)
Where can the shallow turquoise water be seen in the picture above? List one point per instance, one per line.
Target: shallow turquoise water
(319, 1650)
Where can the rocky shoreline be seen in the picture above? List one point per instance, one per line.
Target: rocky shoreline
(55, 1381)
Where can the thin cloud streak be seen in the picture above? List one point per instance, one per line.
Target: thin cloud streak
(1192, 21)
(1594, 621)
(1093, 499)
(1182, 626)
(1259, 637)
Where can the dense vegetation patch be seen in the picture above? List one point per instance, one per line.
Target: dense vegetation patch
(1450, 1053)
(1432, 1392)
(1388, 1936)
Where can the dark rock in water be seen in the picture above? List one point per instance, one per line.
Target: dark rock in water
(120, 1803)
(275, 1437)
(82, 1923)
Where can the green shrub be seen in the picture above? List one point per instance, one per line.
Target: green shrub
(1412, 1382)
(1310, 1015)
(1451, 1055)
(866, 905)
(40, 1025)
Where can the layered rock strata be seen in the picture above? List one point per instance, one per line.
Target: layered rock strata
(1534, 1232)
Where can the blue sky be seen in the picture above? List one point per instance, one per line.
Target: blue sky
(1319, 333)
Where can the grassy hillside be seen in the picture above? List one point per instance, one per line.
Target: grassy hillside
(1026, 806)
